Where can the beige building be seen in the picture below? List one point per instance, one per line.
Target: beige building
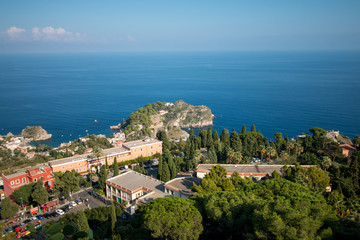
(134, 187)
(85, 163)
(181, 187)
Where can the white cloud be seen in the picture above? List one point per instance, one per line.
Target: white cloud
(55, 34)
(14, 32)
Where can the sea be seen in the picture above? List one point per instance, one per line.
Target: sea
(287, 92)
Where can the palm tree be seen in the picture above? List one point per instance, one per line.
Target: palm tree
(270, 151)
(326, 163)
(96, 154)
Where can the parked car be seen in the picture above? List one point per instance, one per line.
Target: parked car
(69, 206)
(65, 208)
(73, 204)
(40, 217)
(47, 215)
(60, 212)
(78, 202)
(54, 214)
(33, 218)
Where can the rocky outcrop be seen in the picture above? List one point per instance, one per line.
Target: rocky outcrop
(170, 117)
(36, 133)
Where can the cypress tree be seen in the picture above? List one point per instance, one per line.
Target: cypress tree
(209, 138)
(243, 130)
(160, 168)
(165, 176)
(161, 135)
(203, 135)
(224, 137)
(215, 136)
(116, 167)
(235, 142)
(113, 218)
(253, 129)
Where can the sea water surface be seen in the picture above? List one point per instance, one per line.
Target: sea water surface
(287, 92)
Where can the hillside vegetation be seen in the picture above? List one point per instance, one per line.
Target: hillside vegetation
(171, 117)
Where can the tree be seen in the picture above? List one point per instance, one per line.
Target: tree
(160, 168)
(235, 142)
(113, 218)
(172, 217)
(23, 194)
(81, 223)
(224, 137)
(70, 182)
(253, 128)
(215, 136)
(8, 209)
(243, 130)
(209, 138)
(102, 177)
(31, 228)
(165, 175)
(161, 135)
(116, 167)
(40, 195)
(356, 141)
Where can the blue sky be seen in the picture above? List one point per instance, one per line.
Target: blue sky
(159, 25)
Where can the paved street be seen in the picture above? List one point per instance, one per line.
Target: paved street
(83, 194)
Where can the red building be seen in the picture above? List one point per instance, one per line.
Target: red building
(34, 174)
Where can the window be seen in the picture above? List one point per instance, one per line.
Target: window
(35, 179)
(135, 150)
(79, 164)
(63, 167)
(140, 149)
(84, 169)
(70, 165)
(151, 147)
(17, 181)
(12, 183)
(24, 180)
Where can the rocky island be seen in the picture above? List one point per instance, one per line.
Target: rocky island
(171, 117)
(36, 133)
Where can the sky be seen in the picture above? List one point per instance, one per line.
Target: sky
(168, 25)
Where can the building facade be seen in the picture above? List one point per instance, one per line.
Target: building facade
(85, 163)
(34, 174)
(133, 187)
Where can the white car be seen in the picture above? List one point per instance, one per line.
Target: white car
(73, 204)
(60, 212)
(33, 218)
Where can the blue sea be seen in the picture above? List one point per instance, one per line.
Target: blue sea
(287, 92)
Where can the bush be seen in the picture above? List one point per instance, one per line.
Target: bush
(54, 229)
(57, 236)
(69, 230)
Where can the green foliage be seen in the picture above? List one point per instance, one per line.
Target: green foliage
(113, 218)
(55, 228)
(40, 195)
(161, 135)
(31, 228)
(272, 209)
(8, 209)
(102, 177)
(68, 230)
(81, 223)
(116, 167)
(57, 236)
(23, 192)
(172, 217)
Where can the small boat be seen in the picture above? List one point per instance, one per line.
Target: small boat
(95, 121)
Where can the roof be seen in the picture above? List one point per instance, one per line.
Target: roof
(140, 143)
(133, 181)
(182, 184)
(106, 153)
(17, 174)
(347, 146)
(245, 168)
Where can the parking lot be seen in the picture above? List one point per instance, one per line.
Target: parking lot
(91, 202)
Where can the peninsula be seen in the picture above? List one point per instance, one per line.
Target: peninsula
(171, 117)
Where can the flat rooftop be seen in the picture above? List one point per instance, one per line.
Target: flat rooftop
(139, 143)
(183, 184)
(133, 181)
(106, 152)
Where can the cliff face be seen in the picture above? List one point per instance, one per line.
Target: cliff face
(36, 133)
(170, 117)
